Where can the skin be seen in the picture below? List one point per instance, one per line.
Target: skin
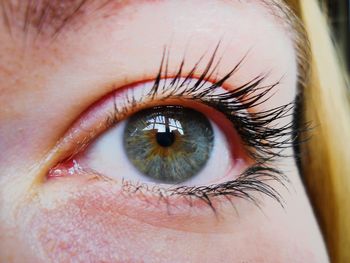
(46, 85)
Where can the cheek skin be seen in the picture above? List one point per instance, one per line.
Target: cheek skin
(63, 221)
(60, 230)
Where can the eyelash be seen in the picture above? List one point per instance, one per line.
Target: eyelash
(264, 140)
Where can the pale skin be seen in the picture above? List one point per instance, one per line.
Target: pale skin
(45, 85)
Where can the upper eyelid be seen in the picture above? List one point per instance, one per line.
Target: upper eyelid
(113, 77)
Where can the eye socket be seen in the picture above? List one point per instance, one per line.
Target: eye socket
(254, 138)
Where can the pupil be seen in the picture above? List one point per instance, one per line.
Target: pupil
(165, 139)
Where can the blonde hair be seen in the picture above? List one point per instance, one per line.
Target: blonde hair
(325, 157)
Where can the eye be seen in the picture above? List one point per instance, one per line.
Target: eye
(165, 145)
(178, 141)
(187, 136)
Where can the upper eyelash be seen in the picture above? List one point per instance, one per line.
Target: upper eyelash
(264, 140)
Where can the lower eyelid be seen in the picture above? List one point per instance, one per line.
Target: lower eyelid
(168, 207)
(140, 202)
(167, 203)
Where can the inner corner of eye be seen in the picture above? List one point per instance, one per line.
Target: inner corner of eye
(172, 141)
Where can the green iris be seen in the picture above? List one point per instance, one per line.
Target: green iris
(169, 144)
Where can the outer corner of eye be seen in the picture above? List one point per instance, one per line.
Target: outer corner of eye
(156, 136)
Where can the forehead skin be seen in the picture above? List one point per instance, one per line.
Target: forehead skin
(48, 80)
(50, 17)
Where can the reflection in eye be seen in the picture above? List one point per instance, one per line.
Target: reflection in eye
(167, 142)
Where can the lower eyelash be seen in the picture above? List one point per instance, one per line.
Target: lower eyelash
(255, 179)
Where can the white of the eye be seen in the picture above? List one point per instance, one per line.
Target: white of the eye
(108, 157)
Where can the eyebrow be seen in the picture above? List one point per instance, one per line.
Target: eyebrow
(48, 18)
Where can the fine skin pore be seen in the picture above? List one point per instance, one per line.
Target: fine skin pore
(47, 83)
